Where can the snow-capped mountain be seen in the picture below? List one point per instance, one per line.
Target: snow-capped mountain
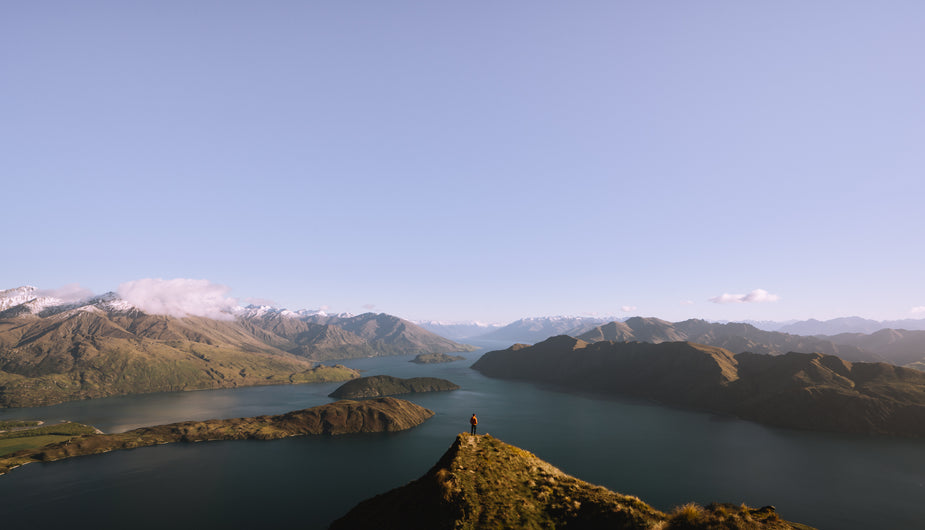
(536, 329)
(29, 297)
(458, 330)
(263, 311)
(31, 300)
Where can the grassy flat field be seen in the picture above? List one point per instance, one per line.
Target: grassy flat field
(13, 441)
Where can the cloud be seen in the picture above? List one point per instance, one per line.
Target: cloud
(627, 308)
(918, 309)
(179, 297)
(369, 307)
(71, 292)
(755, 296)
(687, 302)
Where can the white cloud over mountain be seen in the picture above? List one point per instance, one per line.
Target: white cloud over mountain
(754, 296)
(179, 297)
(71, 292)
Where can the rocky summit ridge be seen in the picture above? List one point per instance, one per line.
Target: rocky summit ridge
(482, 482)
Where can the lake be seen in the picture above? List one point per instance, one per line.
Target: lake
(667, 457)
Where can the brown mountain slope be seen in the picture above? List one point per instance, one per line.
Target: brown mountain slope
(795, 390)
(390, 335)
(307, 339)
(326, 337)
(341, 417)
(91, 353)
(481, 482)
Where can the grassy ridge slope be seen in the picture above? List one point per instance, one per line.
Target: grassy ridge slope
(481, 482)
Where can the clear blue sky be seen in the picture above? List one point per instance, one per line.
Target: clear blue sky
(472, 160)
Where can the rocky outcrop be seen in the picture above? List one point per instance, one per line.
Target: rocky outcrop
(342, 417)
(481, 482)
(386, 385)
(797, 390)
(435, 358)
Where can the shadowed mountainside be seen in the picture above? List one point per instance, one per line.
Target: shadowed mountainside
(342, 417)
(899, 346)
(795, 390)
(481, 482)
(386, 385)
(837, 326)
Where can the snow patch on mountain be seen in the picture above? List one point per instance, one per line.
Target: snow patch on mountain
(27, 300)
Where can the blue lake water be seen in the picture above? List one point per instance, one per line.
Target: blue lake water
(665, 456)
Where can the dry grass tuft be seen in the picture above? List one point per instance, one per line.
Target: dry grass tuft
(687, 514)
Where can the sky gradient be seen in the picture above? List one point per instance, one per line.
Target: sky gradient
(473, 160)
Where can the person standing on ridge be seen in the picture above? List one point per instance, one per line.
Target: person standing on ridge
(474, 422)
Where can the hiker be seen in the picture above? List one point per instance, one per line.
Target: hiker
(473, 421)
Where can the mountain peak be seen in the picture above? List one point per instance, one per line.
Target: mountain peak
(482, 482)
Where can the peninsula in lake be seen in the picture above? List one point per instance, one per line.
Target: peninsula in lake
(387, 385)
(809, 391)
(481, 482)
(342, 417)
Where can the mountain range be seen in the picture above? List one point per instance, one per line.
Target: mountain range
(53, 351)
(535, 329)
(899, 347)
(458, 330)
(837, 326)
(809, 391)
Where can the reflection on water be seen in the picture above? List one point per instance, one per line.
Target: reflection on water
(665, 456)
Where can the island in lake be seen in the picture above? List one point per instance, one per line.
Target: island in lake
(434, 358)
(809, 391)
(342, 417)
(481, 482)
(387, 385)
